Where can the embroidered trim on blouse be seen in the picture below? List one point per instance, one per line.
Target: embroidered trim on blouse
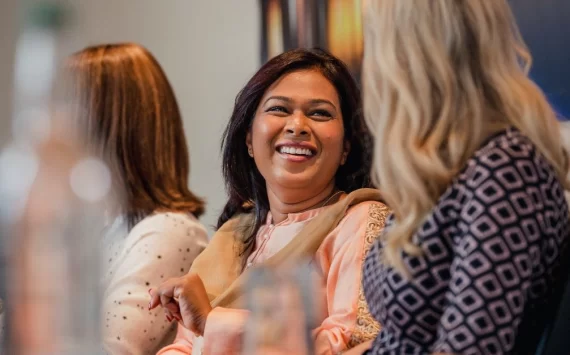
(367, 328)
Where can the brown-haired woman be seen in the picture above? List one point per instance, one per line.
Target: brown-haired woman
(296, 161)
(133, 122)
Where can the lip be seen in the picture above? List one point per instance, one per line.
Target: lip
(306, 145)
(296, 158)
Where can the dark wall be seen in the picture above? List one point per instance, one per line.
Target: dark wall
(545, 26)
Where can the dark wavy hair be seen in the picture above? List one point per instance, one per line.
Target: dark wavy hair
(244, 183)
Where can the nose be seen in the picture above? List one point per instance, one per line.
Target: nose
(297, 125)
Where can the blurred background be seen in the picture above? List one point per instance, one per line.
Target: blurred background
(209, 48)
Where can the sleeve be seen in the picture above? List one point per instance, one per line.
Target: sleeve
(491, 269)
(183, 343)
(341, 257)
(222, 334)
(158, 251)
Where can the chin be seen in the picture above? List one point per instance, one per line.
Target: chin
(295, 181)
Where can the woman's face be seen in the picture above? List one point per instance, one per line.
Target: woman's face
(297, 135)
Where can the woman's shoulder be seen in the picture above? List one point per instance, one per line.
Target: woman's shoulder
(170, 225)
(511, 142)
(510, 157)
(366, 218)
(365, 203)
(361, 225)
(366, 209)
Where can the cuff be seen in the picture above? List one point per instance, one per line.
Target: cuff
(224, 330)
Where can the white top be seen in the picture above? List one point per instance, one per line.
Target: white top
(161, 246)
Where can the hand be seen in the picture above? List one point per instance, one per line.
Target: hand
(184, 299)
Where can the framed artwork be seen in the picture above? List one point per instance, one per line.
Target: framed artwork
(334, 25)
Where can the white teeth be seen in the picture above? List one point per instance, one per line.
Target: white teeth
(296, 151)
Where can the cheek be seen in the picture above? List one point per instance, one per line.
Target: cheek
(264, 132)
(333, 143)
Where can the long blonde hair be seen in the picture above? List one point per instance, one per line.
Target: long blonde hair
(440, 76)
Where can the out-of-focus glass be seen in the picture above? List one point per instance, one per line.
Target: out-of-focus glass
(283, 311)
(53, 199)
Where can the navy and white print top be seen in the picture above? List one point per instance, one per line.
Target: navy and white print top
(491, 250)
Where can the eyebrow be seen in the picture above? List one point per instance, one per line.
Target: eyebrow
(312, 101)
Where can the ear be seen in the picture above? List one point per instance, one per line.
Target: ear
(249, 144)
(345, 152)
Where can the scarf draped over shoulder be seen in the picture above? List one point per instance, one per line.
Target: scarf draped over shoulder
(220, 265)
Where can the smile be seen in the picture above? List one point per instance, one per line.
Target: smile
(295, 151)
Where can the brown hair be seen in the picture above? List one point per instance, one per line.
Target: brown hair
(133, 122)
(244, 184)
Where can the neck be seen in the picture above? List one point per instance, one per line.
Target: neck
(282, 202)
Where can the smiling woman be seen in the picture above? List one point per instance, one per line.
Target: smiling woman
(309, 77)
(297, 137)
(296, 161)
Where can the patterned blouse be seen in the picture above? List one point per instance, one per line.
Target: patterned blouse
(491, 250)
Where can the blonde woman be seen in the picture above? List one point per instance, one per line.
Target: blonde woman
(468, 155)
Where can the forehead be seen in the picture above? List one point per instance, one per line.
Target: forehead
(304, 84)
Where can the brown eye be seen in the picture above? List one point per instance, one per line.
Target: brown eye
(277, 109)
(321, 113)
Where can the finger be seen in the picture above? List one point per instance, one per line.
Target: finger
(178, 317)
(168, 315)
(173, 307)
(163, 293)
(165, 300)
(154, 299)
(174, 310)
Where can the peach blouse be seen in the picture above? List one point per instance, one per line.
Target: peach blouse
(339, 263)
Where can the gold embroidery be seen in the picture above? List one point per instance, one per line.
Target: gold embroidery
(366, 326)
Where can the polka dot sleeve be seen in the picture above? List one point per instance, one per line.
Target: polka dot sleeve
(162, 247)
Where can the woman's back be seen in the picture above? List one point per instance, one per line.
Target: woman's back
(491, 251)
